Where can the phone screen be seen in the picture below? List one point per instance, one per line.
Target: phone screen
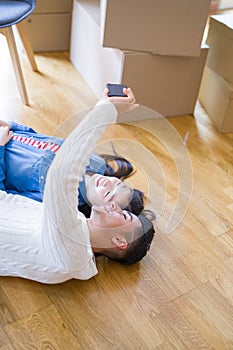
(116, 89)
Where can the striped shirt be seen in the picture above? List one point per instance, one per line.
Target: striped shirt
(53, 147)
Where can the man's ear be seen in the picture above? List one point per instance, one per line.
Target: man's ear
(120, 242)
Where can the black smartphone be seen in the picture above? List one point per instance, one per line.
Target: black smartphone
(116, 90)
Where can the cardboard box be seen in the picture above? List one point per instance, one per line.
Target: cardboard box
(53, 6)
(216, 96)
(48, 27)
(220, 41)
(164, 27)
(49, 32)
(167, 84)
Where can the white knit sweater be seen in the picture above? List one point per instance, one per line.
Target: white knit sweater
(49, 242)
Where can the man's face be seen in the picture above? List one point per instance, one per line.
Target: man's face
(114, 221)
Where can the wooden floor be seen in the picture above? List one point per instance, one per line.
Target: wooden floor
(181, 295)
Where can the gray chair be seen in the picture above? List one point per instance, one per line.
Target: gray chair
(13, 12)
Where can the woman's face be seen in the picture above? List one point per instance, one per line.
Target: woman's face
(102, 190)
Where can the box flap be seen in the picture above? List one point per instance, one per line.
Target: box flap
(223, 23)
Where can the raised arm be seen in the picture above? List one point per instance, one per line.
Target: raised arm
(70, 162)
(61, 220)
(68, 167)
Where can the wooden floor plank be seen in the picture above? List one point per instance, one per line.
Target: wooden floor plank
(210, 313)
(44, 329)
(5, 342)
(24, 296)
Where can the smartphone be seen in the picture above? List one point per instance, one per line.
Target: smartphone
(116, 90)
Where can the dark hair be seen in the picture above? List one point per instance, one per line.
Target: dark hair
(117, 166)
(137, 249)
(136, 205)
(121, 168)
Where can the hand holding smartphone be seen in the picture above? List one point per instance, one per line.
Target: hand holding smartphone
(116, 90)
(122, 102)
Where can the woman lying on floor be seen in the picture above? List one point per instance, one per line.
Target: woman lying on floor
(52, 241)
(25, 157)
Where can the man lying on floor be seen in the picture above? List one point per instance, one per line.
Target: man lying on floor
(52, 242)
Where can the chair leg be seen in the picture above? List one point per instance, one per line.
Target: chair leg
(8, 32)
(27, 45)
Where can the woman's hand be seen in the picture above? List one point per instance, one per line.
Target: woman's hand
(5, 135)
(3, 123)
(123, 104)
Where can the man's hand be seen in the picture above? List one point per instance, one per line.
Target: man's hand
(5, 135)
(3, 123)
(123, 104)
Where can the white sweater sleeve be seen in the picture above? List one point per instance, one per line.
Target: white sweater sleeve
(62, 224)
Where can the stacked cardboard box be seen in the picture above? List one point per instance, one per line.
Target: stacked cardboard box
(216, 92)
(49, 25)
(153, 46)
